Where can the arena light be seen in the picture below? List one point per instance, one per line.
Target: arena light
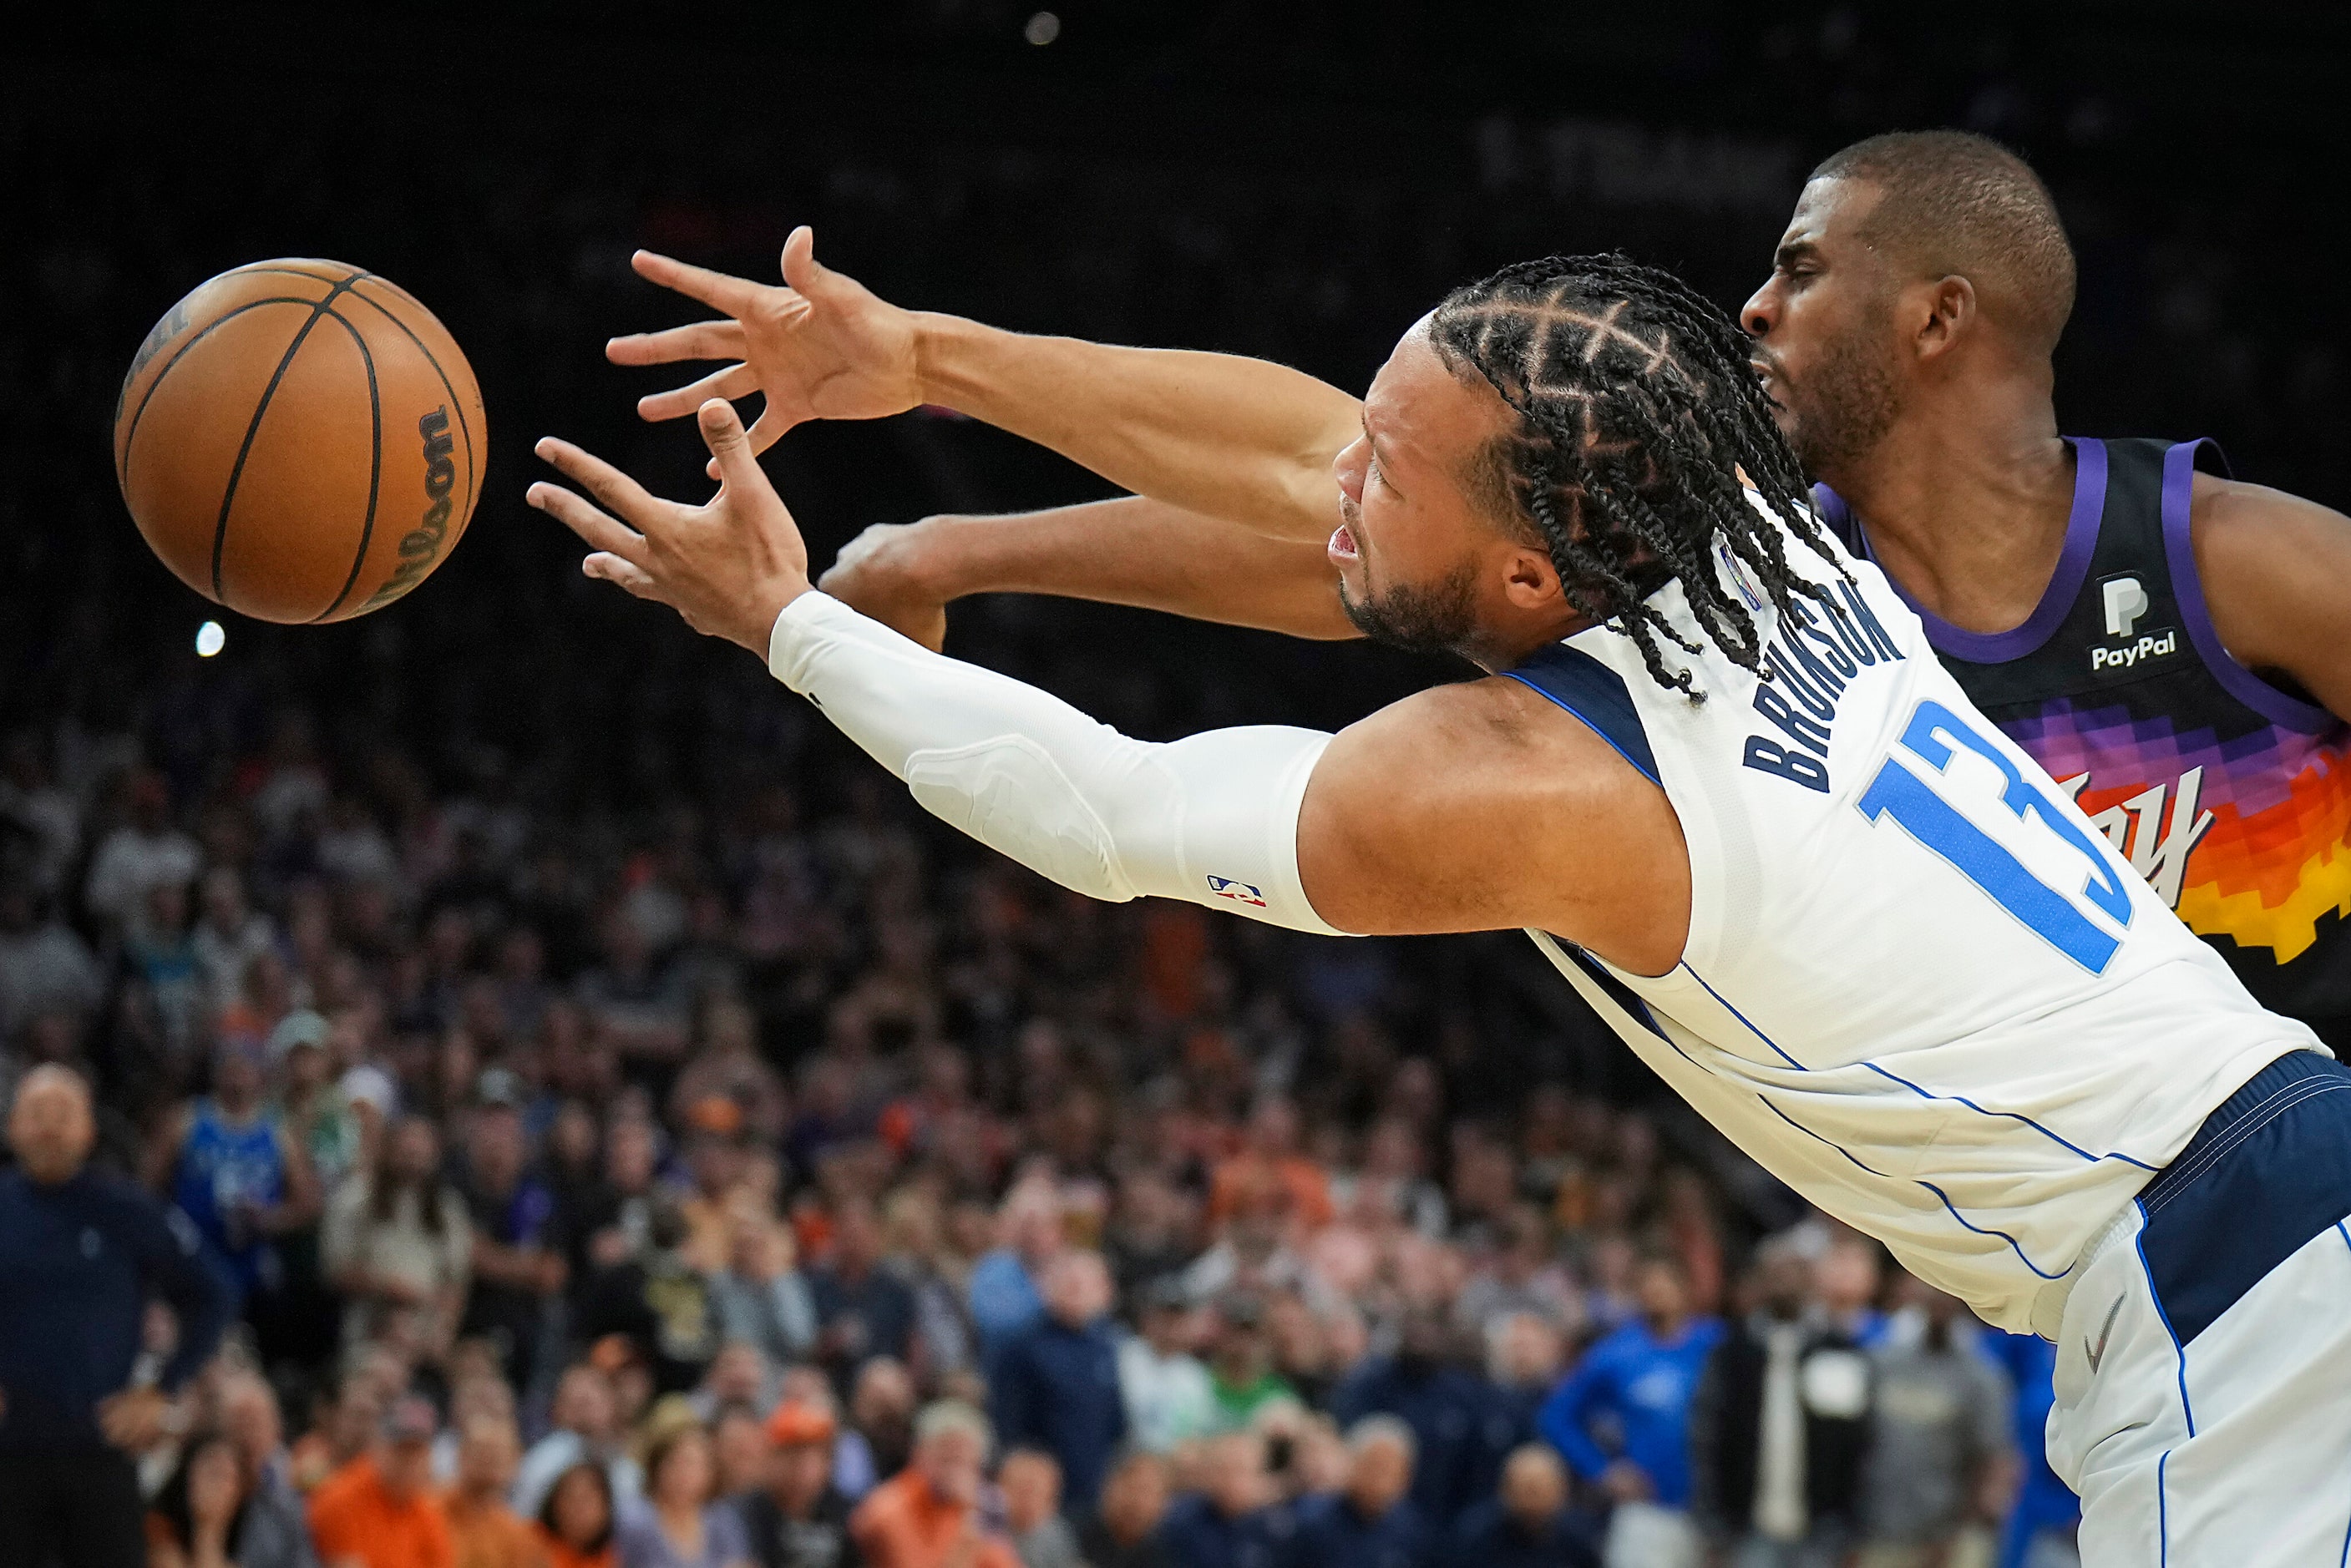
(1042, 28)
(210, 640)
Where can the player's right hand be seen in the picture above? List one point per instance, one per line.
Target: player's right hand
(819, 346)
(881, 574)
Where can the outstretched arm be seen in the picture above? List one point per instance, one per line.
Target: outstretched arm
(1127, 551)
(1237, 439)
(1355, 834)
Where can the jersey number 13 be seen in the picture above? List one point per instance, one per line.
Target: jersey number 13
(1919, 800)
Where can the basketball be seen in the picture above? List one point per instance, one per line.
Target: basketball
(299, 440)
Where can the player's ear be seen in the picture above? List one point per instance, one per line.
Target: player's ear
(1529, 581)
(1947, 310)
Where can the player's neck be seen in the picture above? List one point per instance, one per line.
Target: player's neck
(1966, 506)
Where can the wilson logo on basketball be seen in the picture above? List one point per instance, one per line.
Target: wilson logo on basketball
(421, 545)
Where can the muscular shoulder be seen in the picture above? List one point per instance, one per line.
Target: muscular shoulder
(1483, 736)
(2276, 571)
(1482, 807)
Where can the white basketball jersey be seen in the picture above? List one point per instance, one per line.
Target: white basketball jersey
(1920, 988)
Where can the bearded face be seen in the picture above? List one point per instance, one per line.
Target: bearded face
(1837, 410)
(1419, 617)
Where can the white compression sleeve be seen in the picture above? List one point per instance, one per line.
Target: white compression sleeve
(1211, 820)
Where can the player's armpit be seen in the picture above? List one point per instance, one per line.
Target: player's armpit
(1130, 550)
(1481, 806)
(2276, 571)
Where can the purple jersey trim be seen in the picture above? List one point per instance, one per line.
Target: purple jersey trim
(2187, 587)
(2057, 600)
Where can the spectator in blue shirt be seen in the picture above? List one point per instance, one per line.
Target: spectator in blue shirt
(1232, 1522)
(229, 1167)
(1528, 1524)
(1445, 1406)
(1005, 1297)
(2045, 1506)
(1633, 1389)
(1056, 1386)
(80, 1253)
(1373, 1523)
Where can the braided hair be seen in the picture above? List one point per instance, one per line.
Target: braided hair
(1635, 413)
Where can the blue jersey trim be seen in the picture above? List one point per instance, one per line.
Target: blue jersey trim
(1948, 1206)
(2162, 1515)
(2013, 1245)
(2011, 1115)
(1623, 995)
(1580, 684)
(1742, 1018)
(2179, 1349)
(1831, 1142)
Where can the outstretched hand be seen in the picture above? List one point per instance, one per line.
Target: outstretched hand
(728, 567)
(819, 346)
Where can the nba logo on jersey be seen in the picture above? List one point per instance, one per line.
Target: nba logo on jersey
(1238, 892)
(1740, 578)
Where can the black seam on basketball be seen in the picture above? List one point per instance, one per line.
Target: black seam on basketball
(253, 428)
(295, 272)
(456, 403)
(375, 466)
(122, 473)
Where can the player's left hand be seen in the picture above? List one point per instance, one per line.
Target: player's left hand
(821, 347)
(728, 567)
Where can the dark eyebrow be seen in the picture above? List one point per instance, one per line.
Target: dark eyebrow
(1793, 251)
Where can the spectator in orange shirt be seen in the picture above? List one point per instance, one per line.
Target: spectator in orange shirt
(1270, 1154)
(575, 1524)
(927, 1516)
(485, 1532)
(378, 1512)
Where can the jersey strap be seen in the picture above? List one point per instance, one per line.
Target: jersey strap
(1595, 693)
(2187, 586)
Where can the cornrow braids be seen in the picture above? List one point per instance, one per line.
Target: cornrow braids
(1637, 413)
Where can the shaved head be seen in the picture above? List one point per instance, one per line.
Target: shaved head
(50, 1124)
(1951, 203)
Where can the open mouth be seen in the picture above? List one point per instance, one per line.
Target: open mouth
(1343, 544)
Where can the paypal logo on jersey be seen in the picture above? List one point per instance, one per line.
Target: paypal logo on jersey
(2154, 645)
(2124, 600)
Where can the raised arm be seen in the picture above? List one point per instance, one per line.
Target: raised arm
(1237, 439)
(1128, 551)
(1358, 833)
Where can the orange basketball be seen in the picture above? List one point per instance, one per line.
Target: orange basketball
(299, 440)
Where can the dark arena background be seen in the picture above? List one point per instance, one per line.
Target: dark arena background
(812, 1090)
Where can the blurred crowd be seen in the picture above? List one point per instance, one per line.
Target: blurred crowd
(635, 1135)
(794, 1187)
